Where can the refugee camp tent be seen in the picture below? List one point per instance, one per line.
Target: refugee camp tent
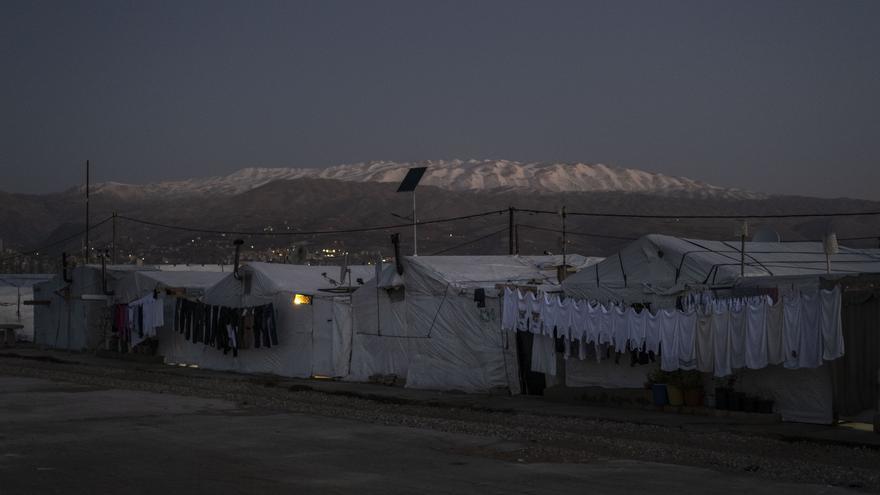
(15, 290)
(312, 313)
(434, 321)
(71, 311)
(657, 270)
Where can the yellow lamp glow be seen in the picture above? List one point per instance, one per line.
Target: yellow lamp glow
(302, 299)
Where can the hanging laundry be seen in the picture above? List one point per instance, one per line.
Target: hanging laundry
(508, 311)
(619, 328)
(810, 347)
(544, 354)
(705, 348)
(636, 327)
(668, 340)
(832, 326)
(775, 334)
(686, 328)
(652, 332)
(549, 313)
(756, 333)
(721, 339)
(737, 334)
(791, 330)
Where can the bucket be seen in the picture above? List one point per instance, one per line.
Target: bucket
(658, 393)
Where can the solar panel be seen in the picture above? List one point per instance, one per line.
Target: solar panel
(412, 179)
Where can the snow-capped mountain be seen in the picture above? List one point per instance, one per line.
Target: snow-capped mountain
(456, 175)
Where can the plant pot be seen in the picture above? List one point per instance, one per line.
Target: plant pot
(693, 397)
(750, 404)
(676, 398)
(722, 399)
(658, 395)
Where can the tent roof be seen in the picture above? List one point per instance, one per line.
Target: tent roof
(667, 263)
(478, 271)
(305, 278)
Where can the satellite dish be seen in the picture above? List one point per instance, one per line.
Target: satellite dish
(766, 234)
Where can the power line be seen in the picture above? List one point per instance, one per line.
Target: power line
(467, 243)
(61, 241)
(705, 217)
(585, 234)
(314, 232)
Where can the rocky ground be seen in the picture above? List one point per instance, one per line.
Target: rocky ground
(527, 438)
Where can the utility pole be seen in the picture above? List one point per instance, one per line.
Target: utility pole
(114, 238)
(510, 227)
(563, 240)
(87, 213)
(742, 248)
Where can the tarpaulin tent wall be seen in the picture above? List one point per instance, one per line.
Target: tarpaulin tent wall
(657, 269)
(314, 339)
(75, 318)
(14, 290)
(426, 327)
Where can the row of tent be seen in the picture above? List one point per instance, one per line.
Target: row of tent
(434, 322)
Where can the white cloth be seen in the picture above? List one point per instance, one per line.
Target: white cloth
(668, 340)
(523, 312)
(619, 328)
(549, 313)
(636, 327)
(652, 331)
(810, 348)
(791, 329)
(832, 327)
(775, 346)
(508, 310)
(534, 305)
(577, 319)
(605, 326)
(737, 335)
(756, 334)
(704, 343)
(563, 319)
(721, 339)
(544, 354)
(686, 329)
(591, 321)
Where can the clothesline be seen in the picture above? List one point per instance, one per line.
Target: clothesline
(719, 335)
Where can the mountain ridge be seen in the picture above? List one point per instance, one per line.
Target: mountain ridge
(453, 175)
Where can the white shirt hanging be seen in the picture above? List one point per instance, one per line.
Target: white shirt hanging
(756, 334)
(721, 339)
(668, 340)
(704, 343)
(832, 327)
(810, 348)
(775, 335)
(686, 328)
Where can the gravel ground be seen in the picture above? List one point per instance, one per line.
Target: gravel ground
(533, 438)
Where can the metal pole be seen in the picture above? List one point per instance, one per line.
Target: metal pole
(87, 211)
(415, 221)
(510, 246)
(114, 237)
(563, 239)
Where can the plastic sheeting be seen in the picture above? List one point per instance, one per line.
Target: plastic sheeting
(314, 339)
(657, 268)
(426, 326)
(15, 289)
(69, 321)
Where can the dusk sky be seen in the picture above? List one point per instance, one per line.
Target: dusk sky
(773, 96)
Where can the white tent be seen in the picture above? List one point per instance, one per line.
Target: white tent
(658, 269)
(314, 339)
(15, 289)
(425, 326)
(74, 314)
